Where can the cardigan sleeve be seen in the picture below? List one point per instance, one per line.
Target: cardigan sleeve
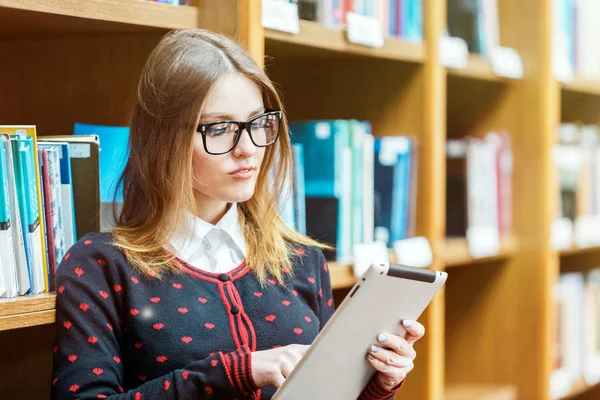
(87, 356)
(373, 391)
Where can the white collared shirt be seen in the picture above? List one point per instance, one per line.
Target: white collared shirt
(213, 248)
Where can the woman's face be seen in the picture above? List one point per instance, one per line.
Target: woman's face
(230, 177)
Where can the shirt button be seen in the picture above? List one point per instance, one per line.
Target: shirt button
(224, 278)
(235, 310)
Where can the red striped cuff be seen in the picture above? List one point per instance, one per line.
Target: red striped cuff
(374, 391)
(238, 366)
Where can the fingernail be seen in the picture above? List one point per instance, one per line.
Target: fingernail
(374, 349)
(407, 324)
(371, 357)
(382, 338)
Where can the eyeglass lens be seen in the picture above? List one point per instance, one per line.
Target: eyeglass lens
(220, 138)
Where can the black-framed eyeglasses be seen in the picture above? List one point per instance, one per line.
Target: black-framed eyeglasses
(220, 137)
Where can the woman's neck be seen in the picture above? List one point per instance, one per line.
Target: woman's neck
(210, 210)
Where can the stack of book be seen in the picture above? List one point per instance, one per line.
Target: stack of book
(51, 195)
(37, 213)
(476, 22)
(350, 187)
(576, 353)
(479, 185)
(400, 18)
(575, 34)
(577, 159)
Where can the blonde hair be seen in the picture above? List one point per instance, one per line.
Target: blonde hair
(157, 180)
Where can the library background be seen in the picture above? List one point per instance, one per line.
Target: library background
(463, 136)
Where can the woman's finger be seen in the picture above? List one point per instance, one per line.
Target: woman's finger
(397, 344)
(389, 357)
(278, 380)
(393, 373)
(414, 331)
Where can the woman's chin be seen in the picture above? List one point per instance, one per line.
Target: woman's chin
(239, 195)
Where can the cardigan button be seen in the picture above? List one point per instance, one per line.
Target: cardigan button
(224, 278)
(235, 310)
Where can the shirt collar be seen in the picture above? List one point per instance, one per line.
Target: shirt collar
(192, 230)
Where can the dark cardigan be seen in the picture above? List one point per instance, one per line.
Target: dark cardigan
(187, 336)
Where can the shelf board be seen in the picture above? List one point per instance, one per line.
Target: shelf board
(25, 311)
(578, 251)
(580, 388)
(342, 275)
(31, 18)
(455, 251)
(478, 392)
(319, 40)
(478, 68)
(583, 86)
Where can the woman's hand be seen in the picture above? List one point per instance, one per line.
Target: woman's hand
(272, 367)
(394, 356)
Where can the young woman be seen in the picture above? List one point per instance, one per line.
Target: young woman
(201, 291)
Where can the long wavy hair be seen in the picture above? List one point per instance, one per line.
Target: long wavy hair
(157, 179)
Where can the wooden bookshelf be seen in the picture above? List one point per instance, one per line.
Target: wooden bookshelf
(455, 252)
(317, 40)
(28, 18)
(74, 60)
(481, 392)
(27, 311)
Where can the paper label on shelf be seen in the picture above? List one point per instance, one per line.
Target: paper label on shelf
(280, 16)
(506, 62)
(454, 52)
(366, 254)
(562, 234)
(364, 30)
(414, 252)
(483, 241)
(566, 157)
(587, 231)
(592, 369)
(561, 67)
(560, 383)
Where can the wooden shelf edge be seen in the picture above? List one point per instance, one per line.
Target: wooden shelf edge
(342, 276)
(133, 12)
(480, 391)
(454, 252)
(23, 305)
(478, 68)
(27, 320)
(580, 388)
(323, 39)
(578, 250)
(582, 86)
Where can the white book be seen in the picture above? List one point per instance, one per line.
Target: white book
(23, 281)
(8, 281)
(587, 33)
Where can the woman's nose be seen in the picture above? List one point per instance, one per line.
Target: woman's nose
(244, 147)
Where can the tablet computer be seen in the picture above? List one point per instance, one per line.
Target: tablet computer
(335, 366)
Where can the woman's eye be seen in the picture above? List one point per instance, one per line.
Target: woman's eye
(216, 130)
(261, 123)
